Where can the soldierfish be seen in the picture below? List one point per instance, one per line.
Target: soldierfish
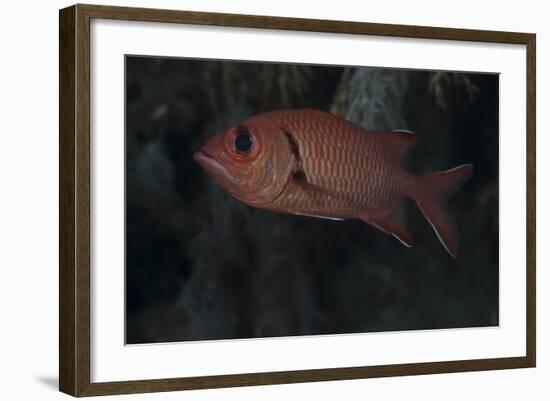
(310, 162)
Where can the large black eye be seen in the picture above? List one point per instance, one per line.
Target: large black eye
(243, 142)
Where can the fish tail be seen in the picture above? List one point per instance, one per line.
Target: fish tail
(435, 190)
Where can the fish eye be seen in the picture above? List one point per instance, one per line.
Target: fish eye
(243, 141)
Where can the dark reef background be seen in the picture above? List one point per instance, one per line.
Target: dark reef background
(202, 265)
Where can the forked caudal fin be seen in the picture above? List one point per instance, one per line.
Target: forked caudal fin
(436, 188)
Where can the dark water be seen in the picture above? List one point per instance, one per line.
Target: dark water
(202, 265)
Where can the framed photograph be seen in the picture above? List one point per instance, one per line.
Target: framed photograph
(251, 200)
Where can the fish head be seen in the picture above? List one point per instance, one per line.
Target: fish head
(251, 160)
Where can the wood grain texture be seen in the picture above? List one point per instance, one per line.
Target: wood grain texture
(301, 376)
(74, 199)
(82, 199)
(300, 24)
(531, 201)
(74, 212)
(67, 99)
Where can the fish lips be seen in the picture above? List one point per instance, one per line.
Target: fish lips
(212, 166)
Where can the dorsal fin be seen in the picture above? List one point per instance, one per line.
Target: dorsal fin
(399, 143)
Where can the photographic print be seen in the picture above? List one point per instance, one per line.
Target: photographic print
(278, 199)
(252, 200)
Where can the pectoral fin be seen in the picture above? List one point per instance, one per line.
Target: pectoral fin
(319, 216)
(318, 194)
(318, 198)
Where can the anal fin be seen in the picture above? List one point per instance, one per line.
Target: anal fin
(392, 222)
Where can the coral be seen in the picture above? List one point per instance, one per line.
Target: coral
(372, 98)
(440, 82)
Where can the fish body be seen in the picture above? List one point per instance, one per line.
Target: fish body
(309, 162)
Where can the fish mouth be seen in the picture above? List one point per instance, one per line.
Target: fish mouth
(211, 165)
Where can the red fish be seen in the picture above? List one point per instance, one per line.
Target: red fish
(309, 162)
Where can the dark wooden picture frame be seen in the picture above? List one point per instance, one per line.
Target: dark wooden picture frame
(74, 205)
